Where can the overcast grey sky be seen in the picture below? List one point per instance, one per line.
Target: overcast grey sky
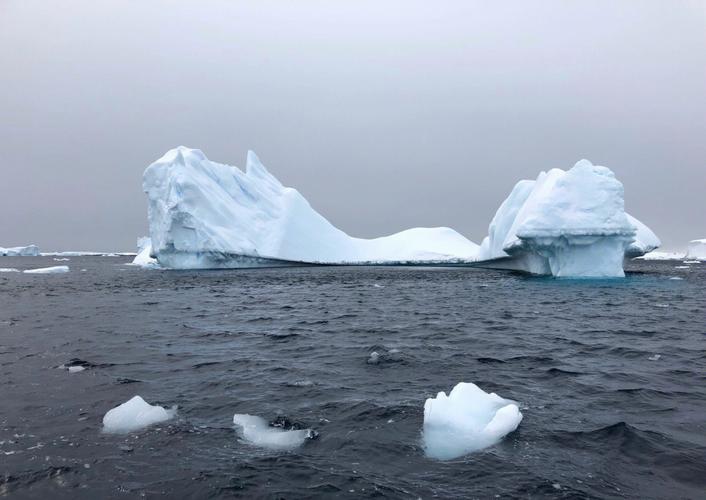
(385, 115)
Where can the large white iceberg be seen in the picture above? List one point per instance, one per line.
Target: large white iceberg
(466, 420)
(697, 250)
(26, 251)
(134, 415)
(204, 214)
(566, 223)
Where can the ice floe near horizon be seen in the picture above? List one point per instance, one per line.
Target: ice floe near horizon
(87, 253)
(467, 420)
(697, 250)
(23, 251)
(134, 415)
(257, 431)
(203, 214)
(657, 255)
(48, 270)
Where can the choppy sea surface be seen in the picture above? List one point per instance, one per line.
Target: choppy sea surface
(610, 376)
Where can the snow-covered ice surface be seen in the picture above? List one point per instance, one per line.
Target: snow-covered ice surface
(567, 224)
(657, 255)
(256, 430)
(466, 420)
(204, 214)
(697, 250)
(48, 270)
(25, 251)
(134, 415)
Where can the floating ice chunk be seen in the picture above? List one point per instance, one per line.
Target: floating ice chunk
(374, 358)
(9, 270)
(255, 430)
(655, 357)
(48, 270)
(466, 420)
(134, 415)
(76, 369)
(61, 259)
(26, 251)
(682, 267)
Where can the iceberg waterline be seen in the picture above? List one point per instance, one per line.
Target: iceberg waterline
(203, 214)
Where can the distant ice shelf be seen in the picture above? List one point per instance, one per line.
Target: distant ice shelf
(204, 214)
(25, 251)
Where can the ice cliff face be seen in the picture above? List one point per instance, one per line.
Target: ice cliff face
(204, 214)
(566, 223)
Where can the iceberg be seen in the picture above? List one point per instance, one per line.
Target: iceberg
(467, 420)
(48, 270)
(697, 250)
(134, 415)
(204, 214)
(26, 251)
(255, 430)
(566, 224)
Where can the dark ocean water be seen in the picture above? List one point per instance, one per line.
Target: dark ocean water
(603, 417)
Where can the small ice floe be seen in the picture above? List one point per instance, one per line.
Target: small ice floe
(466, 420)
(134, 415)
(9, 270)
(655, 357)
(61, 259)
(682, 267)
(300, 383)
(48, 270)
(280, 434)
(676, 278)
(384, 356)
(692, 262)
(662, 305)
(75, 365)
(377, 285)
